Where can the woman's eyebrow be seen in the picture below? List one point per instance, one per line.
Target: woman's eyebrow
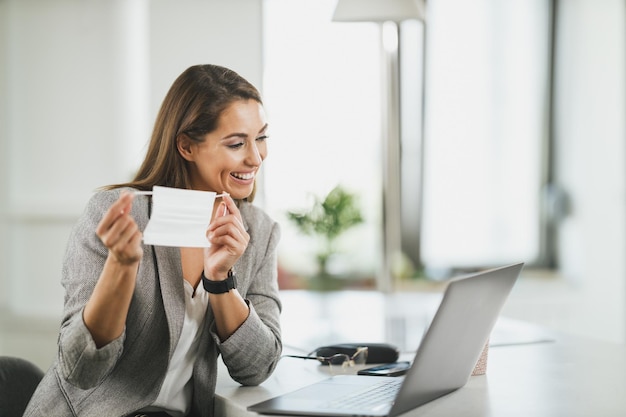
(244, 135)
(235, 135)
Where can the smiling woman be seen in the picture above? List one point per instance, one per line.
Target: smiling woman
(210, 135)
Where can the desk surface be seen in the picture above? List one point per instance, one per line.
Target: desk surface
(530, 371)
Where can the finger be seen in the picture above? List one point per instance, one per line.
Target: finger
(222, 217)
(117, 220)
(120, 207)
(126, 242)
(229, 228)
(129, 230)
(120, 230)
(232, 207)
(222, 211)
(136, 239)
(227, 222)
(123, 204)
(228, 235)
(130, 243)
(230, 203)
(126, 198)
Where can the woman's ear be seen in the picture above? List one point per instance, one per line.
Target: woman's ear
(185, 146)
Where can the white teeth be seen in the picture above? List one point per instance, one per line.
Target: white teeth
(248, 176)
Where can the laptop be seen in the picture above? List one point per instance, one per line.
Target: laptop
(443, 363)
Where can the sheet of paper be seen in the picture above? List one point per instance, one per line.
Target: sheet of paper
(179, 217)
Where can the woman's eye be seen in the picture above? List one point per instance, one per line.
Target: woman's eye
(242, 143)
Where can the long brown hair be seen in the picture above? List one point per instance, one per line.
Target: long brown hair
(191, 107)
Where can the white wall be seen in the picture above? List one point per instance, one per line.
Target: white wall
(591, 146)
(200, 32)
(81, 82)
(4, 151)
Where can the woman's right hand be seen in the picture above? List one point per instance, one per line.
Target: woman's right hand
(119, 233)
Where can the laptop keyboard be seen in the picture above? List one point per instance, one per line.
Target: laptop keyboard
(373, 397)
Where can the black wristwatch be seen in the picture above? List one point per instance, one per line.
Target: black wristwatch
(220, 287)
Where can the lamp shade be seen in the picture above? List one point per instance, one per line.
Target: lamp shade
(378, 10)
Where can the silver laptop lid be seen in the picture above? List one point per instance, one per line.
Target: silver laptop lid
(456, 336)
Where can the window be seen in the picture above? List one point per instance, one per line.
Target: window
(486, 106)
(484, 131)
(322, 95)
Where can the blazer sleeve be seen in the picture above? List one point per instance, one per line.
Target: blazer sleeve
(253, 351)
(80, 362)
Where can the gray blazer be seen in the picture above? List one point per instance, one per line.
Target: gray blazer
(126, 375)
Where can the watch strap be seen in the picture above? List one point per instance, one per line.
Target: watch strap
(220, 287)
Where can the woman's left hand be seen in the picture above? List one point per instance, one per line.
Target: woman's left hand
(228, 239)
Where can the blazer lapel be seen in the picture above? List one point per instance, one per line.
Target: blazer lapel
(171, 282)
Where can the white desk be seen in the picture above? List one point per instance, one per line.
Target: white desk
(530, 372)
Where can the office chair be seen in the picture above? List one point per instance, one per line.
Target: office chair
(18, 380)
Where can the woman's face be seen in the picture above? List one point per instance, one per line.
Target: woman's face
(229, 158)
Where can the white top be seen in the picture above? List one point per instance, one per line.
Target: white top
(176, 391)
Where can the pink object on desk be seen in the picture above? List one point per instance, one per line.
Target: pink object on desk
(481, 365)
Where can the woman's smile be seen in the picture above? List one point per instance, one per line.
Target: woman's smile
(245, 177)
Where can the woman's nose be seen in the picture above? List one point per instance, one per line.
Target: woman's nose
(255, 156)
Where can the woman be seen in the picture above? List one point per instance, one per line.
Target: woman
(143, 325)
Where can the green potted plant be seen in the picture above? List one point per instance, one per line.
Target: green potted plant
(328, 219)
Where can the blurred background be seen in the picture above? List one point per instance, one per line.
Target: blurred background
(481, 133)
